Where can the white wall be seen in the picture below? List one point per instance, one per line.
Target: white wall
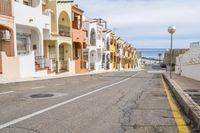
(27, 65)
(191, 71)
(22, 16)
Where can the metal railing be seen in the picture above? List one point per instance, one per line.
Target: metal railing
(84, 64)
(64, 65)
(194, 44)
(41, 61)
(6, 7)
(64, 31)
(92, 66)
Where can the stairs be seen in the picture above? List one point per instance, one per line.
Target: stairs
(37, 68)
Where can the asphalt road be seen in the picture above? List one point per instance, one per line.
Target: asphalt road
(118, 102)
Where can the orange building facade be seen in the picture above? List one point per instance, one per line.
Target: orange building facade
(6, 31)
(78, 39)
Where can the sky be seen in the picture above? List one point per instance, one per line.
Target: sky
(144, 23)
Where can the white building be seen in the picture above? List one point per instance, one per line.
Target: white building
(96, 43)
(188, 64)
(106, 50)
(31, 25)
(58, 46)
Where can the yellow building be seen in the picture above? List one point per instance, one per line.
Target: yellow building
(58, 46)
(112, 51)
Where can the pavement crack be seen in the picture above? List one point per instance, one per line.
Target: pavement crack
(128, 110)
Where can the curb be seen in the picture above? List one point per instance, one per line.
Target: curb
(191, 108)
(62, 76)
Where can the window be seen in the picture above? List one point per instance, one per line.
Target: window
(27, 2)
(23, 43)
(93, 37)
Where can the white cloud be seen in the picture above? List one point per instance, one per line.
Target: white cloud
(146, 21)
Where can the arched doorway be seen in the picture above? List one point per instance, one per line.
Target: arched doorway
(64, 56)
(28, 40)
(6, 40)
(64, 24)
(108, 61)
(93, 56)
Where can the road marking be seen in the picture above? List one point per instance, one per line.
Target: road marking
(59, 84)
(8, 92)
(61, 104)
(38, 87)
(180, 122)
(154, 71)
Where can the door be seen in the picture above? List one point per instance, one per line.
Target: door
(52, 56)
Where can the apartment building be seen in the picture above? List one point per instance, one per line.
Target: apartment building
(112, 51)
(106, 51)
(96, 43)
(56, 38)
(79, 39)
(58, 44)
(6, 38)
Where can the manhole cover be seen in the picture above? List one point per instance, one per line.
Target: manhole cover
(41, 95)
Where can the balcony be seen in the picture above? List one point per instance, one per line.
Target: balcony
(64, 31)
(6, 7)
(79, 36)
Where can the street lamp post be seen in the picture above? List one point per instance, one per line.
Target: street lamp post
(171, 30)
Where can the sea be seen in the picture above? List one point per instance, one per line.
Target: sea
(152, 52)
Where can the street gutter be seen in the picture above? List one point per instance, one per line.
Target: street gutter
(191, 109)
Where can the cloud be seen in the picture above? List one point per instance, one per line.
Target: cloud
(146, 21)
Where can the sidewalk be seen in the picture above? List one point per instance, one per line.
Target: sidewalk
(61, 75)
(187, 93)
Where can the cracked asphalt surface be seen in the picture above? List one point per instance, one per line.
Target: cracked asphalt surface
(138, 105)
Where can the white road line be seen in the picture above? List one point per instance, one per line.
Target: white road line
(61, 104)
(6, 92)
(38, 87)
(59, 84)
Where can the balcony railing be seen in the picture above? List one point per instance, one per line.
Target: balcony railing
(64, 31)
(6, 7)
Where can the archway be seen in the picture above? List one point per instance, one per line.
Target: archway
(28, 39)
(64, 24)
(6, 40)
(93, 37)
(64, 56)
(93, 56)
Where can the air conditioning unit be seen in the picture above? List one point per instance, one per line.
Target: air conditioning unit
(5, 35)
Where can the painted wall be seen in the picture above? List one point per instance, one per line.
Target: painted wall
(190, 71)
(10, 67)
(37, 20)
(27, 65)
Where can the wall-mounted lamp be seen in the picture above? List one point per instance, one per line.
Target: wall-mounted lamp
(30, 20)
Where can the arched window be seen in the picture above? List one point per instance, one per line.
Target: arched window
(64, 24)
(93, 37)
